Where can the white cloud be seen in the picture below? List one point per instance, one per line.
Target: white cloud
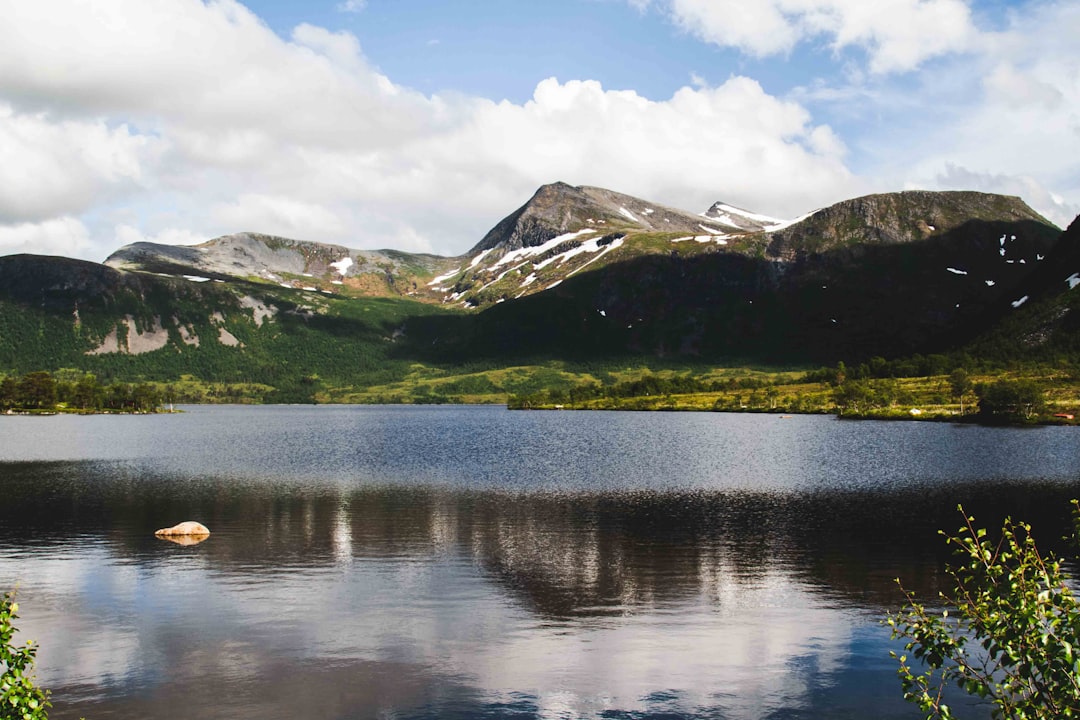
(127, 234)
(50, 167)
(1017, 128)
(60, 236)
(196, 118)
(178, 121)
(352, 6)
(288, 216)
(897, 35)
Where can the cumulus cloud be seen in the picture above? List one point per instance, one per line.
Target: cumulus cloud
(60, 236)
(198, 117)
(292, 217)
(897, 35)
(48, 167)
(181, 120)
(128, 234)
(1017, 129)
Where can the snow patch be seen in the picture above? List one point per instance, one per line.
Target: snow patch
(990, 283)
(954, 271)
(554, 284)
(528, 252)
(589, 246)
(196, 278)
(615, 244)
(725, 219)
(1021, 301)
(336, 282)
(732, 210)
(476, 260)
(1073, 280)
(447, 276)
(342, 265)
(626, 213)
(529, 280)
(788, 223)
(683, 239)
(713, 231)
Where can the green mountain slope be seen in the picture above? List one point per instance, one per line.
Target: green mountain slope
(57, 313)
(884, 275)
(887, 275)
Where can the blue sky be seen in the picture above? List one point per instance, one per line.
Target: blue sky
(418, 124)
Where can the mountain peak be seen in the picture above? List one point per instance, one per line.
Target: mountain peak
(560, 208)
(736, 218)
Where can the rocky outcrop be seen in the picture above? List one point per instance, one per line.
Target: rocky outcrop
(559, 208)
(188, 528)
(283, 261)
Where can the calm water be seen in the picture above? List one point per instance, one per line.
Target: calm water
(450, 562)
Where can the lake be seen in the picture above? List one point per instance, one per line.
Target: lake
(463, 562)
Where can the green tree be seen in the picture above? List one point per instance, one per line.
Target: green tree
(1011, 398)
(37, 390)
(87, 393)
(20, 698)
(145, 398)
(9, 390)
(961, 385)
(1009, 631)
(852, 395)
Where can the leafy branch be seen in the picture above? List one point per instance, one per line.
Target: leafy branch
(1008, 631)
(20, 698)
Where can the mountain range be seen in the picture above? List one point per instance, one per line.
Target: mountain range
(579, 274)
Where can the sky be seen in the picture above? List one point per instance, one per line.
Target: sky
(419, 124)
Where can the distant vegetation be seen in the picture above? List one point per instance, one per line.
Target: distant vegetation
(923, 388)
(41, 391)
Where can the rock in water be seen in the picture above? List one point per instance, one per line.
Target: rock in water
(185, 529)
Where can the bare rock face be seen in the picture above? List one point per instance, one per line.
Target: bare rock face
(190, 528)
(559, 208)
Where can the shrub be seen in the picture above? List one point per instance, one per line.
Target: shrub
(20, 699)
(1014, 637)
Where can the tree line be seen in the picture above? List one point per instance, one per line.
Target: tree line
(41, 391)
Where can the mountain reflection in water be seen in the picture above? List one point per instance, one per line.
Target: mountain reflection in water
(337, 599)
